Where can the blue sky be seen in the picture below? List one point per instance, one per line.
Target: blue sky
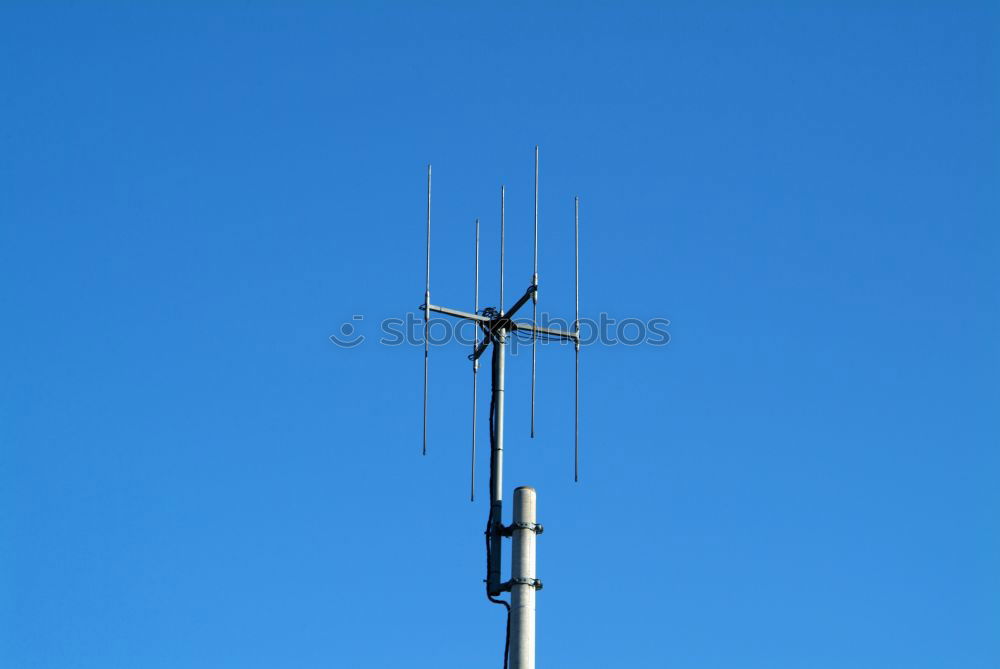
(196, 195)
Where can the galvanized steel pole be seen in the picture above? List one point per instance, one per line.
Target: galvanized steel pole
(523, 583)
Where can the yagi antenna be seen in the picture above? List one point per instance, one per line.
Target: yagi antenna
(496, 325)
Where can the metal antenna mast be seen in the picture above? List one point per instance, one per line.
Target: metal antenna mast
(497, 325)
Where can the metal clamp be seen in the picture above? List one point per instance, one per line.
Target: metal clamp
(537, 528)
(535, 583)
(508, 530)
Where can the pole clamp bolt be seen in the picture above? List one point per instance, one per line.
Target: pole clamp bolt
(535, 583)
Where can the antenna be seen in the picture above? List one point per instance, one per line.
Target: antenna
(534, 301)
(497, 325)
(475, 369)
(427, 302)
(502, 198)
(576, 344)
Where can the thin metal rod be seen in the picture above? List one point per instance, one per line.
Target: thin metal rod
(539, 330)
(502, 198)
(576, 420)
(427, 301)
(475, 371)
(455, 312)
(483, 345)
(521, 301)
(576, 329)
(535, 281)
(534, 302)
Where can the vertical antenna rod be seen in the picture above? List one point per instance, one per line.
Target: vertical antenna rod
(534, 301)
(475, 368)
(502, 197)
(576, 329)
(427, 302)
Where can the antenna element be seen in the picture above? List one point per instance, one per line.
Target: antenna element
(576, 344)
(475, 369)
(534, 301)
(427, 302)
(497, 325)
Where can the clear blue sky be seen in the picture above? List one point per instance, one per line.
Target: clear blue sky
(193, 198)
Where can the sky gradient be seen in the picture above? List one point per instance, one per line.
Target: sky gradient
(195, 196)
